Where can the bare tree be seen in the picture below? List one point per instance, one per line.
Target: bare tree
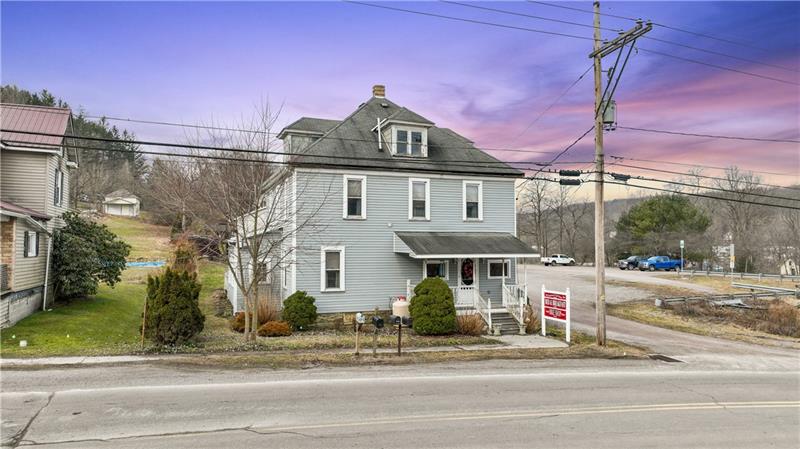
(536, 212)
(172, 184)
(244, 199)
(742, 218)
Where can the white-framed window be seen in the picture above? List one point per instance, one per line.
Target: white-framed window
(436, 269)
(58, 192)
(419, 199)
(30, 244)
(354, 197)
(264, 272)
(410, 141)
(332, 269)
(499, 268)
(472, 198)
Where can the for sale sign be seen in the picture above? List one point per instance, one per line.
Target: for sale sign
(555, 306)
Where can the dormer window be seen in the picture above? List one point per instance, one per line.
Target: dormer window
(410, 141)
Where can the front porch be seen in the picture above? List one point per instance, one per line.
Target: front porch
(482, 270)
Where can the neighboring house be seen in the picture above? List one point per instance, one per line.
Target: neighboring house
(34, 186)
(122, 203)
(401, 200)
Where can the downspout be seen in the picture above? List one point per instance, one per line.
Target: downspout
(47, 270)
(380, 137)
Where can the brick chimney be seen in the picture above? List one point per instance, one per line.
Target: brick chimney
(379, 91)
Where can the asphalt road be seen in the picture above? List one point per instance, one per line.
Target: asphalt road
(500, 404)
(686, 347)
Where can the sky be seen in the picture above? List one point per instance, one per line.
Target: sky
(215, 62)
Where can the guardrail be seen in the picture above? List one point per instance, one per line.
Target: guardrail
(733, 275)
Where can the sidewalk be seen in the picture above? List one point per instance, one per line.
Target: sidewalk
(510, 342)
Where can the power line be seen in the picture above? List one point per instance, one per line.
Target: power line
(720, 67)
(719, 53)
(461, 162)
(662, 25)
(460, 19)
(710, 136)
(220, 128)
(719, 189)
(713, 167)
(567, 148)
(541, 114)
(530, 16)
(700, 195)
(665, 41)
(441, 16)
(658, 170)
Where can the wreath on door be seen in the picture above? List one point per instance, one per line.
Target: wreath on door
(467, 272)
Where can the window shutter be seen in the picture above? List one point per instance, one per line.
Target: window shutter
(26, 238)
(36, 252)
(60, 187)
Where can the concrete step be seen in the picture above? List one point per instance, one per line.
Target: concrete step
(508, 325)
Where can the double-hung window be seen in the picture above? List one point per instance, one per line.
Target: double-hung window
(419, 199)
(30, 244)
(435, 269)
(499, 268)
(332, 272)
(473, 200)
(410, 142)
(354, 197)
(58, 192)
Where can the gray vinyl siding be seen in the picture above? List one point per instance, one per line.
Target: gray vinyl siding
(373, 271)
(24, 178)
(29, 271)
(51, 209)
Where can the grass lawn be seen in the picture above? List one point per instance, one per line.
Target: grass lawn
(105, 324)
(148, 241)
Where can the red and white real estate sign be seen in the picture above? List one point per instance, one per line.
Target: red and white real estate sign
(555, 306)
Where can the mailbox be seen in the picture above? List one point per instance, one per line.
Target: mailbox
(361, 318)
(377, 322)
(406, 320)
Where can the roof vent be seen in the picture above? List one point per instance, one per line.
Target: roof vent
(379, 91)
(384, 105)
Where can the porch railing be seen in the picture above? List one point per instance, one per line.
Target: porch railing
(514, 299)
(484, 308)
(464, 296)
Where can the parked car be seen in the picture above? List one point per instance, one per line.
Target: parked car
(558, 259)
(660, 263)
(631, 263)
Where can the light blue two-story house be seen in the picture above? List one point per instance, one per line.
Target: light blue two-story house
(396, 199)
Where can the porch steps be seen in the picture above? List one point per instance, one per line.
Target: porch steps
(508, 325)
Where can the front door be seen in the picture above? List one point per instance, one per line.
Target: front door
(468, 273)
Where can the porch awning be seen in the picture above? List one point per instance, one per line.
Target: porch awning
(451, 245)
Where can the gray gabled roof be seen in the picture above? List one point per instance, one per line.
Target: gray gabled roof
(352, 144)
(406, 115)
(310, 125)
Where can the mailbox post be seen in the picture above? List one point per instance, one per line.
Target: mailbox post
(400, 322)
(360, 320)
(377, 323)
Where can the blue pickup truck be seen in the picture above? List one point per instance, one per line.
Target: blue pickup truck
(660, 263)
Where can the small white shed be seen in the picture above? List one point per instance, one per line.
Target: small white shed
(122, 203)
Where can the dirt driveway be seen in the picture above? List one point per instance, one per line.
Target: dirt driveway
(680, 345)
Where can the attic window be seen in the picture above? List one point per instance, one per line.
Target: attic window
(410, 141)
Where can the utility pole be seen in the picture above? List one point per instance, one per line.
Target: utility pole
(599, 211)
(601, 104)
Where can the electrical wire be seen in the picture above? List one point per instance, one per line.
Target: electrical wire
(694, 175)
(662, 25)
(460, 19)
(530, 16)
(700, 195)
(713, 167)
(719, 189)
(710, 136)
(567, 148)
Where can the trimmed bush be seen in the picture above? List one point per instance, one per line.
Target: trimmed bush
(237, 322)
(275, 329)
(470, 324)
(299, 310)
(432, 308)
(173, 311)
